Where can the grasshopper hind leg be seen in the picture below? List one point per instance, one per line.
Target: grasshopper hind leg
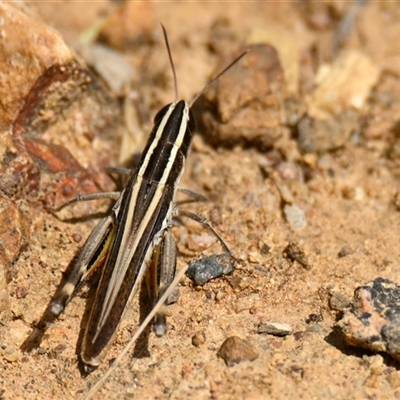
(90, 258)
(162, 273)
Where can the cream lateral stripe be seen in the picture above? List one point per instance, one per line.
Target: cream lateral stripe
(157, 136)
(176, 145)
(182, 128)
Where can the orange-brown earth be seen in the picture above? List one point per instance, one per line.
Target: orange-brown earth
(298, 143)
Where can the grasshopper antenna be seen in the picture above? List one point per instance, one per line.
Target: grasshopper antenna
(218, 76)
(171, 62)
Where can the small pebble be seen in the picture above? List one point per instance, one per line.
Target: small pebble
(313, 318)
(11, 354)
(203, 270)
(345, 251)
(220, 295)
(274, 328)
(299, 335)
(200, 242)
(255, 257)
(198, 339)
(173, 297)
(349, 192)
(376, 364)
(76, 237)
(338, 301)
(265, 249)
(295, 216)
(235, 350)
(294, 253)
(18, 331)
(21, 291)
(235, 282)
(315, 328)
(290, 171)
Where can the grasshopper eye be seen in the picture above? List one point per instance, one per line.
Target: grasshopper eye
(159, 116)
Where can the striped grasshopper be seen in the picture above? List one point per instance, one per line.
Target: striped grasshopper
(135, 234)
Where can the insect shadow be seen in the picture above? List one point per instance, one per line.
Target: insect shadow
(39, 329)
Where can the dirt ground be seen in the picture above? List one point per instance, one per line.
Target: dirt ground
(298, 143)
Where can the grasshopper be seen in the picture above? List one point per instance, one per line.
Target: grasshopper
(135, 234)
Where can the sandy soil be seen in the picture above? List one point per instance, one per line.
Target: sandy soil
(345, 185)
